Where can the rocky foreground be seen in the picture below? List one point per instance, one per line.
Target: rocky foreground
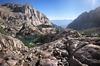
(70, 49)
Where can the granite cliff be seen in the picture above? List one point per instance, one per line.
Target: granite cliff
(16, 19)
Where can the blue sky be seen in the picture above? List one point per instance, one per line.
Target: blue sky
(60, 9)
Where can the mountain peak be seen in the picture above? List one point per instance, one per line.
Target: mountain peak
(16, 17)
(87, 20)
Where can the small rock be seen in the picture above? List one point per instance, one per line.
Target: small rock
(12, 62)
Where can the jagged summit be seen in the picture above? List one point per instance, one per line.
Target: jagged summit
(16, 17)
(27, 11)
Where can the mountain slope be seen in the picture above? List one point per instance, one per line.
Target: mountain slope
(18, 18)
(24, 22)
(87, 20)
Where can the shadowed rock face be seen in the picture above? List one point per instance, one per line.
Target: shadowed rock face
(87, 20)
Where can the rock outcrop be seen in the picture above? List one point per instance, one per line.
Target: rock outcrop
(70, 49)
(24, 23)
(23, 19)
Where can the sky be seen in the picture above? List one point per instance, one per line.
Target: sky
(59, 9)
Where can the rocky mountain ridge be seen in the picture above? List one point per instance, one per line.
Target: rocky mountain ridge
(21, 18)
(25, 23)
(87, 20)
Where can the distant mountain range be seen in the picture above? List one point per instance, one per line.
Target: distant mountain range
(62, 23)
